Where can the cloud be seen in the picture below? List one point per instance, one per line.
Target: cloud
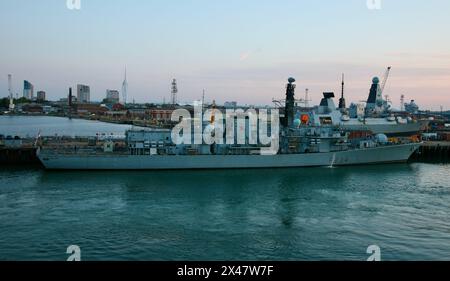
(244, 56)
(410, 55)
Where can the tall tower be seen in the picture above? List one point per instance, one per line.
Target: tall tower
(174, 91)
(70, 97)
(10, 92)
(342, 104)
(125, 88)
(70, 103)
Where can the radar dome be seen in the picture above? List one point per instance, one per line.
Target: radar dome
(376, 80)
(381, 138)
(291, 80)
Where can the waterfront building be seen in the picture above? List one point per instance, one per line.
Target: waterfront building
(66, 100)
(32, 108)
(112, 96)
(140, 113)
(230, 105)
(161, 115)
(118, 107)
(122, 114)
(28, 90)
(47, 109)
(83, 93)
(41, 96)
(89, 109)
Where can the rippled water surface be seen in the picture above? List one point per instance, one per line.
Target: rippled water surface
(285, 214)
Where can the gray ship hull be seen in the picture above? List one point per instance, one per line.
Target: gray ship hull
(389, 129)
(378, 155)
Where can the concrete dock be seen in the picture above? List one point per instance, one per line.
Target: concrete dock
(18, 156)
(433, 152)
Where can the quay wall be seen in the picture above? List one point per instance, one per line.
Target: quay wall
(433, 152)
(18, 156)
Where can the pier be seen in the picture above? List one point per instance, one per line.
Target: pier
(433, 152)
(18, 156)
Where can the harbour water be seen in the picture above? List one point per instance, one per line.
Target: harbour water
(284, 214)
(27, 126)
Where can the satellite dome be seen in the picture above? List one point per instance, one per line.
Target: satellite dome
(382, 138)
(376, 80)
(291, 80)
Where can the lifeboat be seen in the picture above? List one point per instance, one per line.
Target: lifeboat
(402, 121)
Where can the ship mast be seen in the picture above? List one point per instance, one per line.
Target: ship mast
(290, 103)
(342, 103)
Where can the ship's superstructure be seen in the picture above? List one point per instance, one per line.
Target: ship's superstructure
(376, 105)
(376, 116)
(327, 114)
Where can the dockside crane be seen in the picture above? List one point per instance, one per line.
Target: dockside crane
(385, 79)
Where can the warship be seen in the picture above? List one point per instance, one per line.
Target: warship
(376, 116)
(299, 143)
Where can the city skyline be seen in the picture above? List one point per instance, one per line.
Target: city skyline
(236, 51)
